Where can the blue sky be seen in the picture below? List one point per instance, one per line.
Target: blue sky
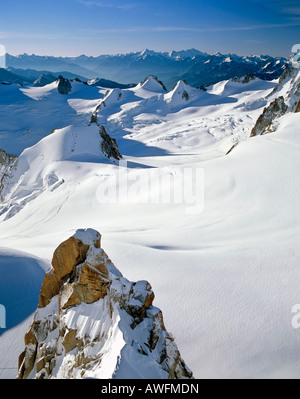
(93, 27)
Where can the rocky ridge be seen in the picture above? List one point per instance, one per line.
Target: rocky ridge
(6, 163)
(264, 124)
(109, 145)
(64, 85)
(284, 98)
(91, 322)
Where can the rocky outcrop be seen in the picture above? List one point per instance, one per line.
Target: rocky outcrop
(6, 159)
(275, 110)
(91, 322)
(244, 79)
(109, 145)
(295, 97)
(287, 75)
(153, 78)
(289, 86)
(109, 84)
(6, 163)
(44, 79)
(64, 85)
(288, 100)
(297, 107)
(110, 97)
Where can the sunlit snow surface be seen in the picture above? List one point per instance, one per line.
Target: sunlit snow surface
(20, 283)
(226, 279)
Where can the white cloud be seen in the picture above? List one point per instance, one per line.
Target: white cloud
(107, 4)
(189, 29)
(294, 11)
(24, 35)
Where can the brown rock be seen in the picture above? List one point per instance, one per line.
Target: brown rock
(275, 110)
(158, 325)
(68, 255)
(89, 286)
(149, 299)
(297, 108)
(50, 288)
(21, 360)
(68, 296)
(27, 358)
(83, 273)
(27, 361)
(30, 338)
(70, 341)
(45, 358)
(98, 242)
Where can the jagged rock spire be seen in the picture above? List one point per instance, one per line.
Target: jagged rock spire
(64, 85)
(91, 322)
(109, 145)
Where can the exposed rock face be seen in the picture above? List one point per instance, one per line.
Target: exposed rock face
(6, 163)
(64, 85)
(44, 79)
(244, 79)
(276, 109)
(109, 145)
(286, 76)
(110, 97)
(289, 83)
(5, 158)
(109, 84)
(297, 107)
(295, 97)
(93, 323)
(156, 79)
(288, 100)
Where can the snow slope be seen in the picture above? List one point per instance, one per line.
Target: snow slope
(28, 114)
(21, 278)
(226, 279)
(209, 123)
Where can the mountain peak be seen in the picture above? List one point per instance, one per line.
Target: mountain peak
(93, 323)
(196, 67)
(190, 53)
(147, 51)
(182, 93)
(64, 85)
(152, 83)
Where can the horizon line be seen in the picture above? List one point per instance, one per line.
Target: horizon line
(140, 52)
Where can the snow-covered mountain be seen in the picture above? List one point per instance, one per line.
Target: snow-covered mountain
(42, 78)
(194, 66)
(7, 77)
(91, 322)
(226, 277)
(283, 99)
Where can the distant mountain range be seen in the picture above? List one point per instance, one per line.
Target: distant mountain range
(21, 76)
(193, 66)
(42, 78)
